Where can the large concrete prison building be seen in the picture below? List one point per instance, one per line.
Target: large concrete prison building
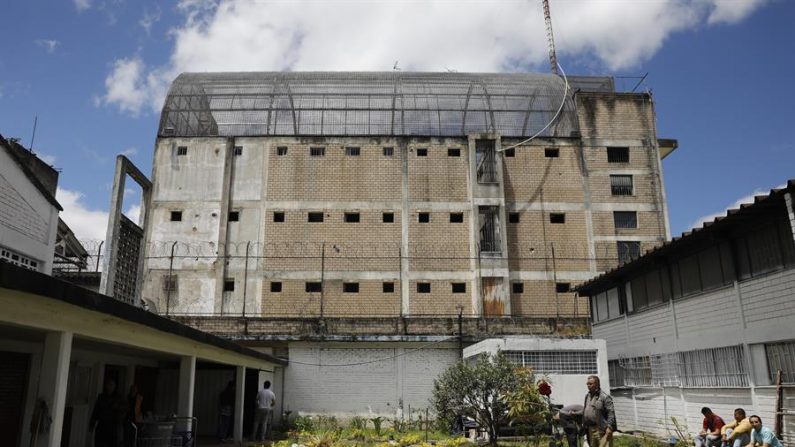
(372, 209)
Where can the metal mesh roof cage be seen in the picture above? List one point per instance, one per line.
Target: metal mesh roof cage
(359, 103)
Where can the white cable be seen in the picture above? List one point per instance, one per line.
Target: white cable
(560, 109)
(376, 360)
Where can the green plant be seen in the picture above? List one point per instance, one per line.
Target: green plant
(326, 422)
(409, 439)
(304, 423)
(358, 422)
(377, 421)
(399, 425)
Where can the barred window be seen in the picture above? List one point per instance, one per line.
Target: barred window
(238, 150)
(781, 356)
(352, 151)
(317, 151)
(281, 151)
(616, 374)
(627, 251)
(718, 367)
(170, 283)
(388, 151)
(556, 362)
(182, 150)
(618, 155)
(625, 219)
(621, 185)
(636, 371)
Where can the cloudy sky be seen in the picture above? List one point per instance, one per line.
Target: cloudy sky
(95, 72)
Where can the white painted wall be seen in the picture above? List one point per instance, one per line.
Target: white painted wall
(395, 377)
(566, 388)
(28, 222)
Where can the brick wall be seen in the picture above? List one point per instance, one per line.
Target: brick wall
(439, 244)
(540, 299)
(438, 177)
(530, 176)
(616, 115)
(441, 300)
(294, 300)
(530, 241)
(649, 224)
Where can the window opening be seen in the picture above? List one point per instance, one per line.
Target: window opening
(489, 229)
(557, 218)
(459, 287)
(182, 150)
(276, 286)
(352, 217)
(424, 217)
(229, 285)
(510, 152)
(456, 217)
(238, 150)
(389, 287)
(312, 287)
(627, 251)
(423, 287)
(388, 151)
(176, 216)
(486, 161)
(551, 152)
(453, 152)
(625, 219)
(513, 217)
(234, 216)
(314, 217)
(422, 152)
(350, 287)
(562, 287)
(388, 217)
(352, 151)
(621, 185)
(281, 150)
(518, 287)
(618, 155)
(278, 216)
(317, 151)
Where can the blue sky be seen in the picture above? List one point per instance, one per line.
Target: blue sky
(95, 71)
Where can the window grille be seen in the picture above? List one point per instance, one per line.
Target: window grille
(486, 161)
(556, 362)
(18, 259)
(489, 229)
(636, 371)
(317, 151)
(616, 374)
(781, 356)
(625, 219)
(389, 151)
(665, 369)
(718, 367)
(621, 185)
(618, 155)
(352, 151)
(281, 150)
(182, 150)
(238, 150)
(627, 251)
(170, 283)
(453, 152)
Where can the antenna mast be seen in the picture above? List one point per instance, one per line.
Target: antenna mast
(553, 58)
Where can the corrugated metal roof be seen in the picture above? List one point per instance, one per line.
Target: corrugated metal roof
(733, 217)
(370, 103)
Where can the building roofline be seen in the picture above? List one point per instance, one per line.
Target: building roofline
(7, 145)
(28, 281)
(733, 218)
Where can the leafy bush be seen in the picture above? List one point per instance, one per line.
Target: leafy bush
(377, 421)
(358, 422)
(304, 423)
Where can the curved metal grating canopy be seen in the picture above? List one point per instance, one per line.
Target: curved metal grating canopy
(365, 103)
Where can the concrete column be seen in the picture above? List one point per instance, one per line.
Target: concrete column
(187, 380)
(52, 383)
(240, 390)
(112, 234)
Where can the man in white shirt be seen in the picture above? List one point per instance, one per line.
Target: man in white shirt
(265, 402)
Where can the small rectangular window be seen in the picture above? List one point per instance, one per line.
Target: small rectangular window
(388, 217)
(176, 216)
(352, 217)
(513, 217)
(557, 218)
(229, 285)
(423, 217)
(389, 151)
(314, 217)
(621, 185)
(350, 287)
(276, 286)
(459, 287)
(517, 287)
(281, 150)
(234, 216)
(456, 217)
(423, 287)
(170, 283)
(625, 219)
(422, 152)
(551, 152)
(278, 216)
(238, 150)
(389, 287)
(352, 151)
(627, 251)
(313, 287)
(562, 287)
(618, 155)
(182, 150)
(453, 152)
(317, 151)
(510, 152)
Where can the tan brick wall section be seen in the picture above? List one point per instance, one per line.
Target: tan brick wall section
(532, 177)
(530, 242)
(607, 256)
(441, 300)
(640, 157)
(294, 300)
(540, 300)
(439, 244)
(335, 176)
(644, 189)
(649, 224)
(369, 244)
(438, 177)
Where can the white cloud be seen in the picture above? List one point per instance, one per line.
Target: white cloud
(732, 11)
(134, 213)
(48, 44)
(431, 35)
(82, 5)
(129, 152)
(47, 158)
(150, 18)
(736, 204)
(87, 224)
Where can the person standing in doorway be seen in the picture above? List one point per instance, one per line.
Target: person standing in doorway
(599, 416)
(265, 403)
(226, 405)
(108, 417)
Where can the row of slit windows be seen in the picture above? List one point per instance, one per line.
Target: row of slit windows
(614, 154)
(762, 250)
(621, 219)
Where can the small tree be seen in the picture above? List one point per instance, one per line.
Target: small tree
(479, 391)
